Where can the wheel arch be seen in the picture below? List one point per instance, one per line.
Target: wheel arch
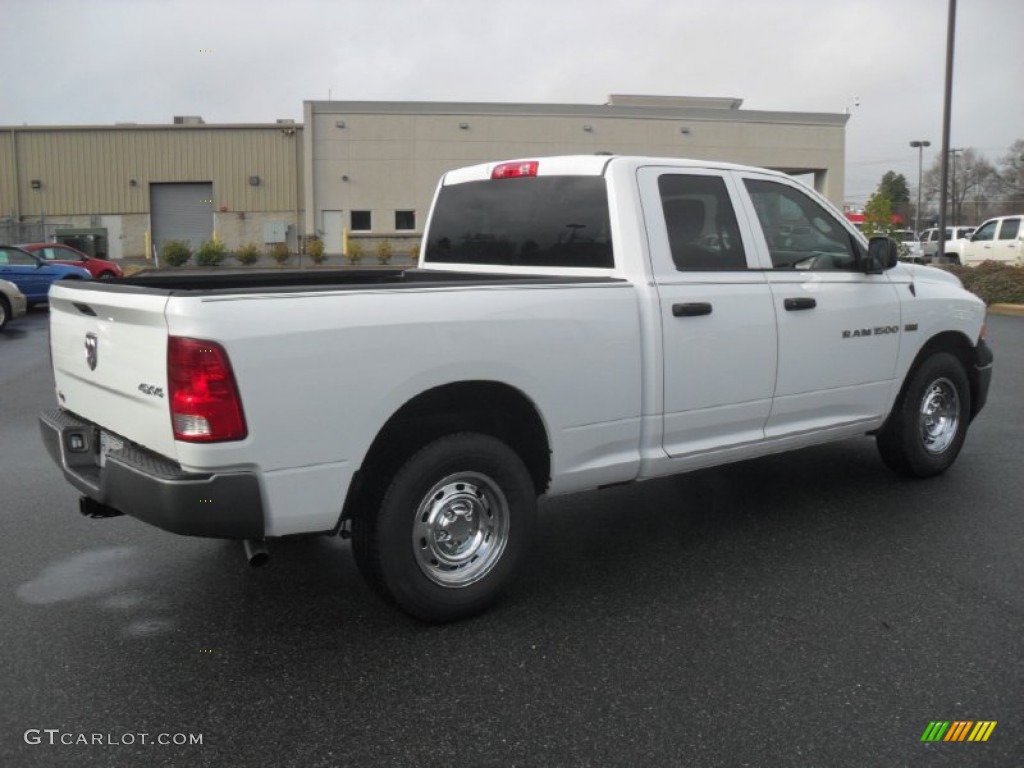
(955, 343)
(488, 407)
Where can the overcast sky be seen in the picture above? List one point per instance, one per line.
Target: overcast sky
(106, 61)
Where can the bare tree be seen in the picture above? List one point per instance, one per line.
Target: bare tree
(973, 185)
(1011, 179)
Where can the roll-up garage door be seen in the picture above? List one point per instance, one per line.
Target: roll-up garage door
(181, 212)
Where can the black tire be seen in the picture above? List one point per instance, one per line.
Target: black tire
(5, 312)
(451, 530)
(928, 423)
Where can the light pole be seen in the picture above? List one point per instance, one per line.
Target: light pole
(919, 146)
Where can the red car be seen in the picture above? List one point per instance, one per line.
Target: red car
(58, 253)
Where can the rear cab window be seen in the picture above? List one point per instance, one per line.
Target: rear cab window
(531, 221)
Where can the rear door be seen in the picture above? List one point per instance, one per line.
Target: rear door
(718, 323)
(109, 349)
(839, 328)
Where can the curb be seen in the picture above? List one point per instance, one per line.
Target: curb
(1006, 309)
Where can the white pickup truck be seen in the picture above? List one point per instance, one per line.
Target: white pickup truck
(573, 323)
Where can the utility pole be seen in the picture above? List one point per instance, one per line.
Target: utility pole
(946, 109)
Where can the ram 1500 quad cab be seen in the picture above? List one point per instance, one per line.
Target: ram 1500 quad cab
(572, 323)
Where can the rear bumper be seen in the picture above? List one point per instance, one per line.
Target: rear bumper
(151, 488)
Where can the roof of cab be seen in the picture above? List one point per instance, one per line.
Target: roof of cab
(589, 165)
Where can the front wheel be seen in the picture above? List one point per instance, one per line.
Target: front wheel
(928, 424)
(455, 523)
(5, 312)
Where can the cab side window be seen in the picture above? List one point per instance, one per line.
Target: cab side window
(1010, 229)
(987, 232)
(702, 231)
(799, 232)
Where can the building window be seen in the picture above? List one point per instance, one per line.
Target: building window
(405, 220)
(361, 221)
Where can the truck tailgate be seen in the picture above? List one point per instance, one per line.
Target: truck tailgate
(109, 352)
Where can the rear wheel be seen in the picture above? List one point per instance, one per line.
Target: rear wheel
(5, 312)
(928, 424)
(453, 526)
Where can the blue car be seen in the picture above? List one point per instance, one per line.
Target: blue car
(32, 275)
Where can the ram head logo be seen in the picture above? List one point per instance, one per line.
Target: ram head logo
(92, 350)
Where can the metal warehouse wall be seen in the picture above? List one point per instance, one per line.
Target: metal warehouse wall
(89, 169)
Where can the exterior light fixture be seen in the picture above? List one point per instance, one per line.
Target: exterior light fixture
(36, 184)
(685, 131)
(344, 177)
(464, 126)
(339, 124)
(132, 183)
(588, 128)
(254, 181)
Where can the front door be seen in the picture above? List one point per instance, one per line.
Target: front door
(839, 328)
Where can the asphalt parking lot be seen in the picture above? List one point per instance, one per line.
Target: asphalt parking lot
(809, 609)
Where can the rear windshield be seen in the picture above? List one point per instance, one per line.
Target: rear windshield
(542, 221)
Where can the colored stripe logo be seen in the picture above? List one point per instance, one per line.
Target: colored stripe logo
(958, 730)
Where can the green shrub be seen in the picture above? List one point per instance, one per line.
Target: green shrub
(248, 254)
(279, 253)
(355, 252)
(414, 252)
(174, 253)
(316, 251)
(993, 282)
(384, 251)
(211, 253)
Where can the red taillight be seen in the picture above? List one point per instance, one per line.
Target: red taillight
(515, 170)
(205, 406)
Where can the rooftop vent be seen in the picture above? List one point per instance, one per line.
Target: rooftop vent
(188, 120)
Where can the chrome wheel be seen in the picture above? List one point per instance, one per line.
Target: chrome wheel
(940, 416)
(461, 529)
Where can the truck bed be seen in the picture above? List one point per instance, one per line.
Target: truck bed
(241, 281)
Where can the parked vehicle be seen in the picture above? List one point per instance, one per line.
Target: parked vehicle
(571, 325)
(999, 239)
(909, 245)
(13, 303)
(58, 253)
(930, 244)
(33, 276)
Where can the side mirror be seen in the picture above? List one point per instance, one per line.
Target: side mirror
(883, 254)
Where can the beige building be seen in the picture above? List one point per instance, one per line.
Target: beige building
(366, 170)
(372, 167)
(121, 187)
